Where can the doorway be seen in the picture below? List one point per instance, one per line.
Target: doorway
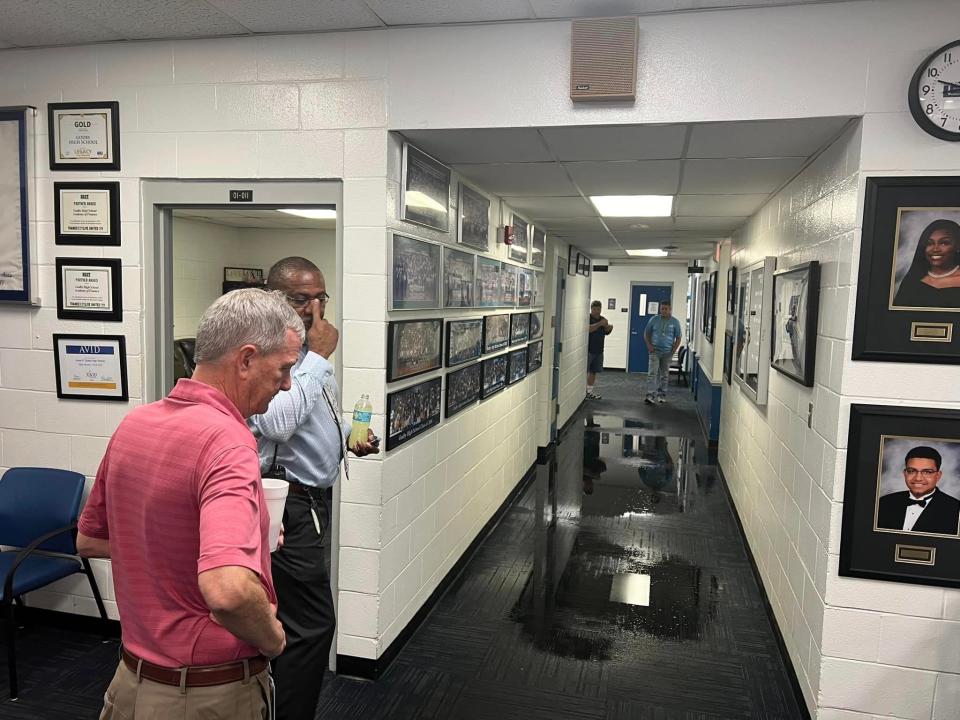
(645, 299)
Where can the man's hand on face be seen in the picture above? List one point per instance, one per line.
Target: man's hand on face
(366, 448)
(322, 337)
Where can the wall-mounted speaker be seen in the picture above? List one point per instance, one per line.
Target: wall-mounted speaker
(603, 59)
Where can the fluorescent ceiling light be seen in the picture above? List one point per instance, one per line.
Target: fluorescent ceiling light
(656, 252)
(312, 213)
(417, 199)
(633, 205)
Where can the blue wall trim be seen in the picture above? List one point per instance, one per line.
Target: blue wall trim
(708, 405)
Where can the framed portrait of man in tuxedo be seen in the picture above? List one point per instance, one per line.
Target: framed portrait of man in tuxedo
(901, 515)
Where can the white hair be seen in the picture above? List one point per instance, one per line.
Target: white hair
(249, 316)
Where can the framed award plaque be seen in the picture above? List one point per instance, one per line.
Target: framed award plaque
(84, 135)
(91, 367)
(86, 213)
(89, 289)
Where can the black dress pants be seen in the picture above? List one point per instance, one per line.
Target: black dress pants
(301, 576)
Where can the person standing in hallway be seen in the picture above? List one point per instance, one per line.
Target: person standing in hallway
(303, 440)
(178, 506)
(662, 337)
(598, 328)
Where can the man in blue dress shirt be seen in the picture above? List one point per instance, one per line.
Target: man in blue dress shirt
(302, 439)
(662, 336)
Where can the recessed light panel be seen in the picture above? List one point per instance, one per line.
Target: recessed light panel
(633, 205)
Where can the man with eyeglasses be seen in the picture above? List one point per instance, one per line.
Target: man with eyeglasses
(923, 507)
(302, 439)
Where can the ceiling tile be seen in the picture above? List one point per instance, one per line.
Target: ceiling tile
(551, 207)
(298, 16)
(141, 19)
(609, 8)
(640, 177)
(5, 45)
(433, 12)
(772, 138)
(736, 205)
(519, 178)
(710, 224)
(502, 145)
(621, 142)
(582, 224)
(28, 23)
(640, 224)
(740, 177)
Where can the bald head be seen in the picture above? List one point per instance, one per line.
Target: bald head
(287, 271)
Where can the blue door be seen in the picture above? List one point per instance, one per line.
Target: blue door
(644, 304)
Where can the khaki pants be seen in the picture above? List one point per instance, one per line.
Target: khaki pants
(128, 699)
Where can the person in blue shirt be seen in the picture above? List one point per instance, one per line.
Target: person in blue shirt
(663, 335)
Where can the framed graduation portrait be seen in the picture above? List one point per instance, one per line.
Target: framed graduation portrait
(908, 295)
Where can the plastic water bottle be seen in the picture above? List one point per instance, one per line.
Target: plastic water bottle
(361, 420)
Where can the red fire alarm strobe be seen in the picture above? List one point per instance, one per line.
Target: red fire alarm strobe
(508, 235)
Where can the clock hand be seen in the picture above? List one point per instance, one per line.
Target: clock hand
(951, 89)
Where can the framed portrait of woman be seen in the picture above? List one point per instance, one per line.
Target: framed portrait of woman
(908, 297)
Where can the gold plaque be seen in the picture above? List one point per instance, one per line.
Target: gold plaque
(915, 554)
(931, 332)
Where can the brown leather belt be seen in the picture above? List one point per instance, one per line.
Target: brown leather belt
(196, 676)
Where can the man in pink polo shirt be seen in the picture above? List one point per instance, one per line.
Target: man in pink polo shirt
(178, 506)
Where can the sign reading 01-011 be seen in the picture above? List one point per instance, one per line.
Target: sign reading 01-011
(934, 93)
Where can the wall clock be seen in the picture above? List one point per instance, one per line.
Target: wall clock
(934, 93)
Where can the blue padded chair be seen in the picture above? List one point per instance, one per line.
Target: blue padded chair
(38, 517)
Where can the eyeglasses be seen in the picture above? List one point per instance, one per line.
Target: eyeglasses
(926, 473)
(301, 301)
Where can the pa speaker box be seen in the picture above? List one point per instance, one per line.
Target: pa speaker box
(603, 59)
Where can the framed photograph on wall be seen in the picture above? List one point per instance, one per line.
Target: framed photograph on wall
(908, 294)
(16, 181)
(538, 289)
(573, 260)
(728, 357)
(474, 212)
(86, 213)
(425, 190)
(496, 332)
(751, 359)
(89, 289)
(90, 367)
(508, 285)
(534, 356)
(518, 366)
(488, 282)
(538, 247)
(536, 325)
(519, 250)
(415, 280)
(732, 290)
(463, 389)
(793, 340)
(412, 410)
(458, 278)
(413, 347)
(464, 340)
(710, 307)
(250, 277)
(901, 509)
(524, 287)
(84, 135)
(493, 374)
(519, 328)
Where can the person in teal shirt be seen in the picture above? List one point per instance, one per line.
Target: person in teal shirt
(663, 335)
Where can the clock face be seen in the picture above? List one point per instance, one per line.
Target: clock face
(934, 93)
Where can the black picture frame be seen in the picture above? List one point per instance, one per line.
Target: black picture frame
(496, 332)
(534, 356)
(520, 248)
(899, 316)
(524, 287)
(519, 328)
(463, 389)
(459, 278)
(508, 284)
(16, 271)
(728, 357)
(112, 109)
(90, 234)
(493, 375)
(90, 383)
(415, 276)
(473, 226)
(425, 185)
(573, 260)
(873, 544)
(732, 290)
(413, 332)
(518, 366)
(793, 334)
(488, 282)
(113, 313)
(538, 247)
(464, 340)
(536, 325)
(423, 399)
(710, 307)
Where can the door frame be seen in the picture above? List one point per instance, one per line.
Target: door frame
(647, 283)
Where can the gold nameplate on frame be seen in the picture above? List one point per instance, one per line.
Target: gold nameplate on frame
(931, 332)
(915, 554)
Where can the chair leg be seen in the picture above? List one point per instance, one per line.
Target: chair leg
(11, 648)
(96, 594)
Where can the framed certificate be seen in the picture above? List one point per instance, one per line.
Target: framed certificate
(86, 213)
(84, 135)
(89, 289)
(18, 279)
(91, 367)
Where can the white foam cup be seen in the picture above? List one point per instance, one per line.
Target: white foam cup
(275, 492)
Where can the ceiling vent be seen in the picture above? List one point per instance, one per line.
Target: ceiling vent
(603, 59)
